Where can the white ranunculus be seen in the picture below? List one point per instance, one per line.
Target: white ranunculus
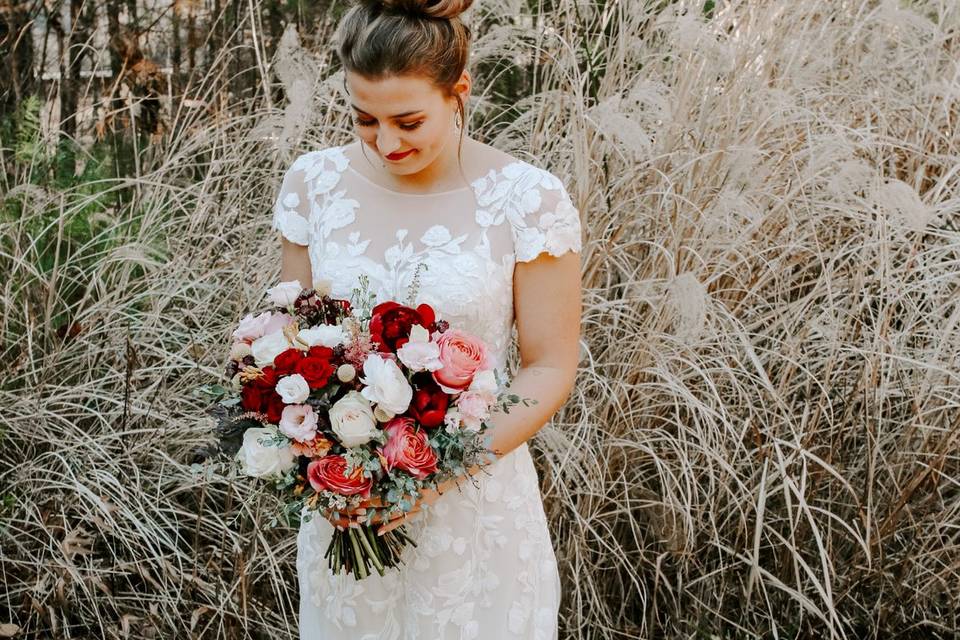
(386, 384)
(298, 422)
(419, 353)
(284, 293)
(293, 389)
(325, 335)
(268, 347)
(260, 461)
(351, 418)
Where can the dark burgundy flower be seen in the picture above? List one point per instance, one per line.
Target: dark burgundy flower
(390, 323)
(429, 405)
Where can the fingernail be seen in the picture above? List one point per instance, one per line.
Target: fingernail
(380, 532)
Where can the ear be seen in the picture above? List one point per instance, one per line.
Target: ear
(462, 86)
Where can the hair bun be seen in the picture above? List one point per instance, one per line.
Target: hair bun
(448, 9)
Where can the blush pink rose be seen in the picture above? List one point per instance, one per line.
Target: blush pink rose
(462, 355)
(407, 448)
(328, 473)
(277, 322)
(252, 327)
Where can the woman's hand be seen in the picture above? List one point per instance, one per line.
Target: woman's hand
(356, 516)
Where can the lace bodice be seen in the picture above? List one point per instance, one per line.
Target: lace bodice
(465, 241)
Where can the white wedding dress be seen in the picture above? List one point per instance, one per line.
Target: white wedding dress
(484, 566)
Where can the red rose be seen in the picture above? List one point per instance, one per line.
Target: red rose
(328, 473)
(390, 323)
(429, 405)
(316, 371)
(286, 362)
(407, 448)
(320, 351)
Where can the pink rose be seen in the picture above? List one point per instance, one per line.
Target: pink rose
(407, 448)
(252, 327)
(462, 355)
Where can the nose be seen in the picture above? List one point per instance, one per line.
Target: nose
(386, 142)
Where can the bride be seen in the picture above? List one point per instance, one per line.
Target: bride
(492, 243)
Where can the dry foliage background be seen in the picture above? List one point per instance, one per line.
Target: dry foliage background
(764, 438)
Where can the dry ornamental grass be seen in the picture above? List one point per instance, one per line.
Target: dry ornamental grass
(763, 439)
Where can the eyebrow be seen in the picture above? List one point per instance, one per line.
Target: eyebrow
(398, 115)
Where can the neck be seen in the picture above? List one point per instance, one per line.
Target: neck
(440, 175)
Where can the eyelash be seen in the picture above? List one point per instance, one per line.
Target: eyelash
(406, 127)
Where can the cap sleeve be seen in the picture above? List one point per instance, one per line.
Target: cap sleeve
(552, 226)
(291, 208)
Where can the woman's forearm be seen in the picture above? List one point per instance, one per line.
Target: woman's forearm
(550, 386)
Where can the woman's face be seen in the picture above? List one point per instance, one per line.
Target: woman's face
(405, 120)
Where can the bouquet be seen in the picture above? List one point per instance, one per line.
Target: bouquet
(345, 403)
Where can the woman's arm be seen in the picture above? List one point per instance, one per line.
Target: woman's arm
(295, 263)
(547, 309)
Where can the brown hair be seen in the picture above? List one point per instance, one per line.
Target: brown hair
(379, 38)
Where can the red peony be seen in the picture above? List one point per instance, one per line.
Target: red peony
(407, 448)
(390, 323)
(429, 405)
(328, 473)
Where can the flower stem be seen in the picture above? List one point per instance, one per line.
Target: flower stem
(357, 554)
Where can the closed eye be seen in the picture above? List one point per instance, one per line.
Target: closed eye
(369, 123)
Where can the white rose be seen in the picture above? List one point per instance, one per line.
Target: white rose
(351, 418)
(325, 335)
(268, 347)
(284, 293)
(298, 422)
(293, 389)
(258, 460)
(418, 353)
(386, 384)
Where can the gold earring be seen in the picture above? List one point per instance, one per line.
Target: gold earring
(459, 120)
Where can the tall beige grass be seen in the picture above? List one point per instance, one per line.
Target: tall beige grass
(763, 440)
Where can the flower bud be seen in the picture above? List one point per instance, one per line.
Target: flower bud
(239, 351)
(346, 372)
(382, 415)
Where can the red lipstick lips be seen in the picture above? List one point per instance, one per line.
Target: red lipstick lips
(399, 156)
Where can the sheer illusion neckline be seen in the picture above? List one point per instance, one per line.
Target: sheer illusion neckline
(373, 184)
(401, 193)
